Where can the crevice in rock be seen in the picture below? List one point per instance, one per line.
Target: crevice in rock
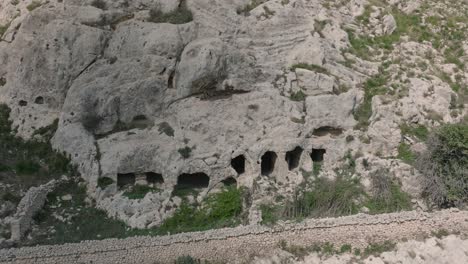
(327, 130)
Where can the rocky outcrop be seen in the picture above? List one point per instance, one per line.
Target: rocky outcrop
(29, 205)
(135, 97)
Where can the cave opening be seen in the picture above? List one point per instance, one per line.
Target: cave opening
(154, 178)
(124, 179)
(293, 158)
(268, 162)
(39, 100)
(238, 164)
(229, 182)
(317, 155)
(193, 180)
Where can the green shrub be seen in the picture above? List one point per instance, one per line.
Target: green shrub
(405, 153)
(185, 152)
(444, 166)
(421, 132)
(249, 7)
(139, 192)
(33, 5)
(101, 4)
(219, 210)
(387, 195)
(165, 128)
(298, 96)
(103, 182)
(269, 214)
(186, 260)
(27, 167)
(345, 248)
(372, 87)
(376, 249)
(35, 158)
(180, 15)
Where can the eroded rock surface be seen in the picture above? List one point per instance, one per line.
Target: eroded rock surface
(135, 97)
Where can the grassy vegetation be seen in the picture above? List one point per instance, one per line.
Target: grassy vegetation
(185, 152)
(165, 128)
(33, 5)
(310, 67)
(3, 29)
(298, 96)
(180, 15)
(405, 153)
(418, 131)
(387, 194)
(249, 7)
(444, 166)
(139, 191)
(28, 163)
(103, 182)
(328, 248)
(84, 222)
(372, 87)
(343, 195)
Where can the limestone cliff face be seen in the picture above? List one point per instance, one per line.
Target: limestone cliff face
(137, 98)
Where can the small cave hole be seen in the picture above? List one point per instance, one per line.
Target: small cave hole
(293, 158)
(39, 100)
(327, 130)
(317, 154)
(170, 80)
(194, 180)
(124, 179)
(238, 164)
(154, 178)
(268, 162)
(23, 103)
(229, 182)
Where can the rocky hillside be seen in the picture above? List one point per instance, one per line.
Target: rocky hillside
(162, 104)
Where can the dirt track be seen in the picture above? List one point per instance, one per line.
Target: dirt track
(241, 243)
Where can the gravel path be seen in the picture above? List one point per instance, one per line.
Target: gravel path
(239, 244)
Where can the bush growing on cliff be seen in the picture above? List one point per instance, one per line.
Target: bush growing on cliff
(444, 165)
(180, 15)
(28, 162)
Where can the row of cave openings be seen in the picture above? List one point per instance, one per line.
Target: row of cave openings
(293, 159)
(201, 180)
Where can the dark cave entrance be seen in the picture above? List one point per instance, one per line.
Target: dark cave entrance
(317, 155)
(154, 178)
(268, 162)
(229, 182)
(238, 163)
(194, 180)
(293, 158)
(125, 179)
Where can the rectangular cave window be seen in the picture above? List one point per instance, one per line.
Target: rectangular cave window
(268, 162)
(293, 158)
(194, 180)
(238, 163)
(124, 179)
(154, 178)
(317, 155)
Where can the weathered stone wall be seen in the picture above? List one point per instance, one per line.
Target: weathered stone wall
(239, 244)
(29, 205)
